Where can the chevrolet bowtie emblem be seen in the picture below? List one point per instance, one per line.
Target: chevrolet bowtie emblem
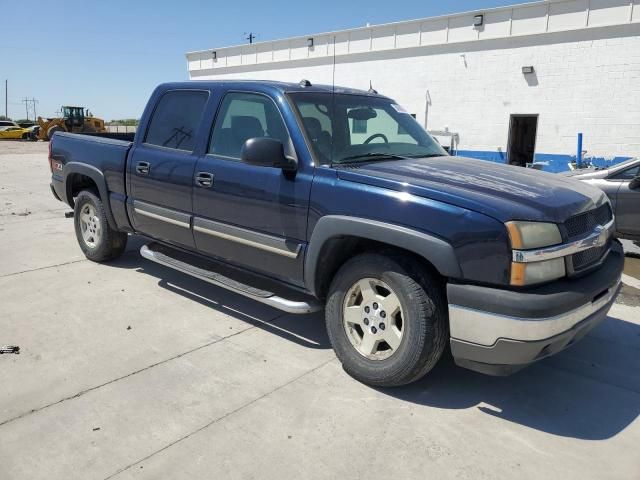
(602, 236)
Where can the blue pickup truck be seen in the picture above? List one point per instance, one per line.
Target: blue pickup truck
(306, 197)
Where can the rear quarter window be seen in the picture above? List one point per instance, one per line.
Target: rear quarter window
(176, 119)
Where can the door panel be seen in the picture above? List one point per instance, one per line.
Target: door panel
(628, 210)
(161, 168)
(252, 216)
(255, 217)
(162, 197)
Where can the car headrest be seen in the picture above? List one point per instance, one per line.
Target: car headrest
(245, 127)
(313, 126)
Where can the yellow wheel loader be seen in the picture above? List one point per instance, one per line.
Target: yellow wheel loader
(73, 120)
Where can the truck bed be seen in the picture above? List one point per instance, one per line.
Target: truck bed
(104, 160)
(106, 154)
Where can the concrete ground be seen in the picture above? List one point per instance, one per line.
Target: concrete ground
(131, 370)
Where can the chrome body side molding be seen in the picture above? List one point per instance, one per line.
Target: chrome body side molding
(163, 214)
(261, 241)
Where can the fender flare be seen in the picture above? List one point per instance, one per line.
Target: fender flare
(433, 249)
(98, 178)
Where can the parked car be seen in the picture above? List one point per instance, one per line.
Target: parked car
(33, 132)
(4, 124)
(302, 197)
(621, 183)
(14, 133)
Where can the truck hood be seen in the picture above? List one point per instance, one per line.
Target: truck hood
(503, 192)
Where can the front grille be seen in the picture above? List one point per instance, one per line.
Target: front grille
(584, 223)
(587, 258)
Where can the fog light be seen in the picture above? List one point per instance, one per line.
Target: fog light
(536, 272)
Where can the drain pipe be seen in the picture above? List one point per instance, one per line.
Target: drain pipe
(579, 153)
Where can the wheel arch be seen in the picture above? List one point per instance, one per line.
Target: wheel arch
(79, 176)
(336, 238)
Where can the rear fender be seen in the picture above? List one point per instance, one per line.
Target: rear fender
(94, 174)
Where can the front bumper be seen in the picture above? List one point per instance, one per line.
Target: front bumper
(498, 332)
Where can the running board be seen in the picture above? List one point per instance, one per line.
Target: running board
(160, 254)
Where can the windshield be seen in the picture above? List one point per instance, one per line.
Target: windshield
(72, 112)
(626, 163)
(346, 128)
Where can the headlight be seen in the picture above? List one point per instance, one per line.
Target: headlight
(527, 235)
(530, 235)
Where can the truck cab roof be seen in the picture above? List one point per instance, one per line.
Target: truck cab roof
(281, 87)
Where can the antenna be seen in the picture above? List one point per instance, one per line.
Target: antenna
(371, 89)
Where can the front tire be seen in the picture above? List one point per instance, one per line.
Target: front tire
(386, 319)
(98, 241)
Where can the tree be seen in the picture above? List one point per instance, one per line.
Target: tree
(130, 122)
(2, 117)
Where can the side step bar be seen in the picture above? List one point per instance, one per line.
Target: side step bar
(160, 254)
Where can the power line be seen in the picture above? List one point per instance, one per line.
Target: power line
(30, 106)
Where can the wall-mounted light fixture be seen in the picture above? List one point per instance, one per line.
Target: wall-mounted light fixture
(214, 55)
(478, 20)
(310, 42)
(527, 70)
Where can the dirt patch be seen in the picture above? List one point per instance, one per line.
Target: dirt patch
(19, 146)
(629, 296)
(632, 266)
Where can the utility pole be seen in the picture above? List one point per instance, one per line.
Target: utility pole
(6, 96)
(30, 105)
(251, 37)
(33, 103)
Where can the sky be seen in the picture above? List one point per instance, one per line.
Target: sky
(109, 55)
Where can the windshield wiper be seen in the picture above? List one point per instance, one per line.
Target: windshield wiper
(372, 156)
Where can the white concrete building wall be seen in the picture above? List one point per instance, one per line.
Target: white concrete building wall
(585, 53)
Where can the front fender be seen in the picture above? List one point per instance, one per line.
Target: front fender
(433, 249)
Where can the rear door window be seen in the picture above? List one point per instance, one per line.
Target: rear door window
(176, 119)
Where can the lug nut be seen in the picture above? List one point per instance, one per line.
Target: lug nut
(374, 330)
(383, 314)
(382, 327)
(366, 321)
(375, 306)
(366, 309)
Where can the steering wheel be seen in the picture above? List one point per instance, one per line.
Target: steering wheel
(377, 135)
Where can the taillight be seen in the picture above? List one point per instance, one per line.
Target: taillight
(50, 158)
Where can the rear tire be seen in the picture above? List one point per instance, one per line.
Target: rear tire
(98, 241)
(386, 319)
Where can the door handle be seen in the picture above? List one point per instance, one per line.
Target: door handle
(204, 179)
(143, 168)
